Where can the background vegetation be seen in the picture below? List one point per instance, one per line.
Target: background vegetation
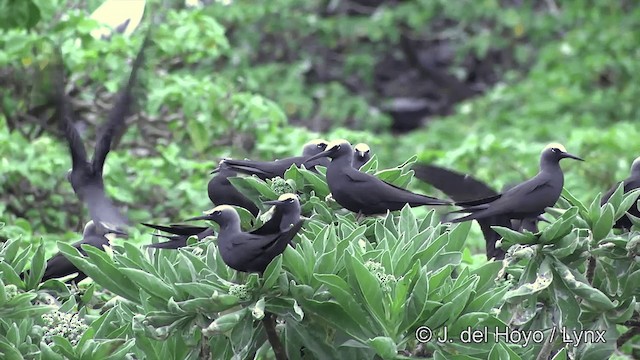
(478, 86)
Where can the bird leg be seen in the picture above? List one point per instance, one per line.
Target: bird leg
(359, 216)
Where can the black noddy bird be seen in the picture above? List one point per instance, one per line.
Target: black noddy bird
(97, 236)
(270, 169)
(362, 155)
(629, 184)
(286, 214)
(243, 251)
(181, 233)
(528, 199)
(363, 193)
(463, 187)
(222, 192)
(86, 176)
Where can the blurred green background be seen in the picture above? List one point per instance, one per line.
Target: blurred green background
(477, 86)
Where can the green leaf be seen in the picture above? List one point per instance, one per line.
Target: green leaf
(272, 272)
(603, 225)
(149, 283)
(384, 346)
(368, 285)
(225, 322)
(629, 201)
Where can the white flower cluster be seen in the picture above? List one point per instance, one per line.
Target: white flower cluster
(378, 270)
(67, 325)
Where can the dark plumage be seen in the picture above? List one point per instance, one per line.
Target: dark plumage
(364, 193)
(528, 199)
(59, 266)
(362, 155)
(181, 233)
(270, 169)
(243, 251)
(462, 187)
(629, 184)
(86, 176)
(286, 214)
(222, 192)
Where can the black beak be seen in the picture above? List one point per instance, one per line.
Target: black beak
(325, 153)
(215, 170)
(571, 156)
(361, 154)
(274, 202)
(203, 217)
(118, 233)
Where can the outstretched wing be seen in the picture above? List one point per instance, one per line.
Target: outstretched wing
(65, 115)
(459, 187)
(116, 117)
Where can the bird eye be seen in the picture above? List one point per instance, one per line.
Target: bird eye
(338, 147)
(217, 212)
(290, 200)
(555, 150)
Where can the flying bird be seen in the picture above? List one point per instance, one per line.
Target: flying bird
(364, 193)
(528, 199)
(180, 235)
(243, 251)
(462, 187)
(222, 192)
(59, 266)
(362, 155)
(629, 184)
(270, 169)
(86, 176)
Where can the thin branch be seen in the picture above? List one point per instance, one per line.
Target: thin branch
(269, 323)
(627, 336)
(591, 269)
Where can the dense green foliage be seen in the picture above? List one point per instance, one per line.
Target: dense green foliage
(259, 81)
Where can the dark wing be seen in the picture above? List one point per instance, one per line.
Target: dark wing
(175, 242)
(491, 236)
(272, 226)
(102, 209)
(116, 117)
(59, 266)
(178, 229)
(532, 190)
(268, 246)
(458, 186)
(372, 188)
(264, 169)
(65, 114)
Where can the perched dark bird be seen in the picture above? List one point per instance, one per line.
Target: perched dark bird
(270, 169)
(629, 184)
(286, 214)
(528, 199)
(243, 251)
(59, 266)
(364, 193)
(362, 155)
(222, 192)
(181, 233)
(86, 176)
(462, 187)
